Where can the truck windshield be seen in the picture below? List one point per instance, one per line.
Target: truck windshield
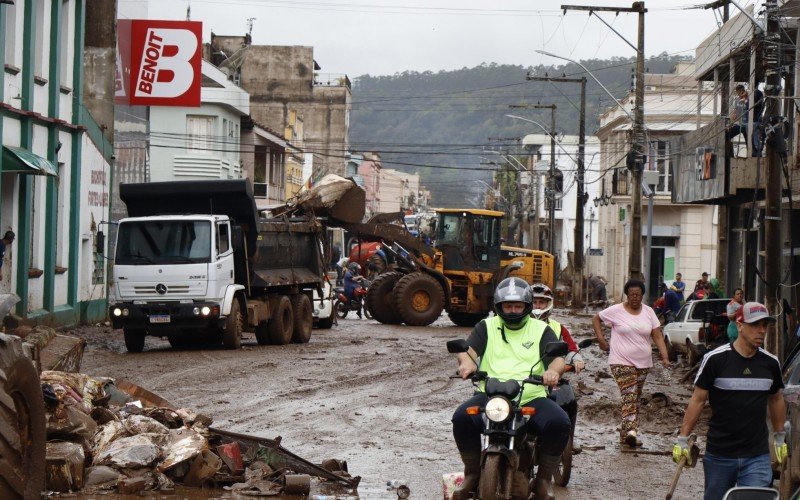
(164, 242)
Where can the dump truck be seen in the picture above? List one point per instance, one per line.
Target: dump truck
(457, 275)
(196, 262)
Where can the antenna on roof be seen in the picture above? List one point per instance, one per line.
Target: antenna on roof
(188, 11)
(250, 25)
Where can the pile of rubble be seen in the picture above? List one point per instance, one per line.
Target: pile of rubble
(117, 437)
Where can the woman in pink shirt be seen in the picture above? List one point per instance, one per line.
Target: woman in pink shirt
(633, 327)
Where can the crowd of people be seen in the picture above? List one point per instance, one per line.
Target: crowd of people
(741, 380)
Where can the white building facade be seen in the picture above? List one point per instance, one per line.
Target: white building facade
(684, 237)
(566, 199)
(204, 142)
(56, 123)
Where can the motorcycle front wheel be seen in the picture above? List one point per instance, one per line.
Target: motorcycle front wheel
(564, 471)
(341, 309)
(492, 477)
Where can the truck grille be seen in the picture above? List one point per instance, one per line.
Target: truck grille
(174, 290)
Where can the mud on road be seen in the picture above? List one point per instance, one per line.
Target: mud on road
(379, 397)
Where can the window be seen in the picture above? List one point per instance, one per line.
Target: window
(199, 132)
(163, 242)
(63, 43)
(39, 51)
(619, 181)
(11, 32)
(276, 168)
(659, 159)
(260, 172)
(223, 245)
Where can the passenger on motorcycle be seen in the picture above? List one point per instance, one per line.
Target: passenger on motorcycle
(352, 280)
(509, 344)
(542, 306)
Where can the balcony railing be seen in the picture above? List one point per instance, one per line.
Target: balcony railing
(331, 80)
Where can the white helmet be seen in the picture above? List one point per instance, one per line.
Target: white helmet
(542, 291)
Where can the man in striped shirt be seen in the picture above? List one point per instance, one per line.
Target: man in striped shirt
(741, 381)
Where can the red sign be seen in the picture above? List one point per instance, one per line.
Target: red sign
(164, 63)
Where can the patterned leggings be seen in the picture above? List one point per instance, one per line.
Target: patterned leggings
(630, 381)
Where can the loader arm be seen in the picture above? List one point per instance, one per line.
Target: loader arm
(390, 233)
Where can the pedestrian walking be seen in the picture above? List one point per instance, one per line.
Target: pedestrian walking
(634, 326)
(8, 239)
(733, 307)
(742, 381)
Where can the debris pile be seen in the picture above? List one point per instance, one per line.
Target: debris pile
(109, 437)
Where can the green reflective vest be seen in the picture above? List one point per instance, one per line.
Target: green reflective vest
(556, 326)
(513, 360)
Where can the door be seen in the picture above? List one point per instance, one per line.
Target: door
(656, 273)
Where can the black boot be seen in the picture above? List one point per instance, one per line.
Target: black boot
(472, 474)
(548, 464)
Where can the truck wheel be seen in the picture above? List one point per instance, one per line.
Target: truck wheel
(419, 299)
(232, 336)
(134, 339)
(281, 324)
(466, 319)
(22, 424)
(379, 299)
(303, 318)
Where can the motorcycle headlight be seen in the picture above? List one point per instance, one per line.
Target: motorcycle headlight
(497, 409)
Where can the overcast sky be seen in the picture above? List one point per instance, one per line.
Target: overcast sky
(382, 37)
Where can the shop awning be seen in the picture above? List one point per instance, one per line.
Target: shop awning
(22, 161)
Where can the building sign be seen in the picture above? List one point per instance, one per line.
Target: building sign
(596, 252)
(159, 63)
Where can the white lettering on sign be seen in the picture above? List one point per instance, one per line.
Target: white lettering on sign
(165, 70)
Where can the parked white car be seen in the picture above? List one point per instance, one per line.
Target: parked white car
(323, 309)
(686, 334)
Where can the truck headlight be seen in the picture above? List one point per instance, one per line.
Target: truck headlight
(205, 310)
(125, 312)
(196, 311)
(117, 311)
(497, 409)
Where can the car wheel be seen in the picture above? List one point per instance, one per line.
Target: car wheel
(671, 354)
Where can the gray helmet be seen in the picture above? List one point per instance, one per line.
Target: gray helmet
(513, 290)
(354, 267)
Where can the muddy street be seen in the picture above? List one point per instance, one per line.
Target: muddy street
(379, 397)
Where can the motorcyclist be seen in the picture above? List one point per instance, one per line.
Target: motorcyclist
(352, 280)
(542, 306)
(509, 344)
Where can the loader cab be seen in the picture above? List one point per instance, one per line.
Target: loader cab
(469, 239)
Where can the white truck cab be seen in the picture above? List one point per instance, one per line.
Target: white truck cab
(173, 271)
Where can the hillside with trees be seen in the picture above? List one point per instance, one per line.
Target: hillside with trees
(440, 124)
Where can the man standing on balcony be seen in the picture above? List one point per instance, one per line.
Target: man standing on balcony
(740, 117)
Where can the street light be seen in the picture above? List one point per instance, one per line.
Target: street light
(544, 52)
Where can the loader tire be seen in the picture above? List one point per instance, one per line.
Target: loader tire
(303, 319)
(466, 319)
(22, 424)
(380, 299)
(419, 299)
(281, 323)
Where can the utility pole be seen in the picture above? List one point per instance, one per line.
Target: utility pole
(638, 144)
(577, 281)
(776, 145)
(551, 212)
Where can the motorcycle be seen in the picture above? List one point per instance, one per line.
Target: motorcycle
(564, 396)
(508, 458)
(344, 306)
